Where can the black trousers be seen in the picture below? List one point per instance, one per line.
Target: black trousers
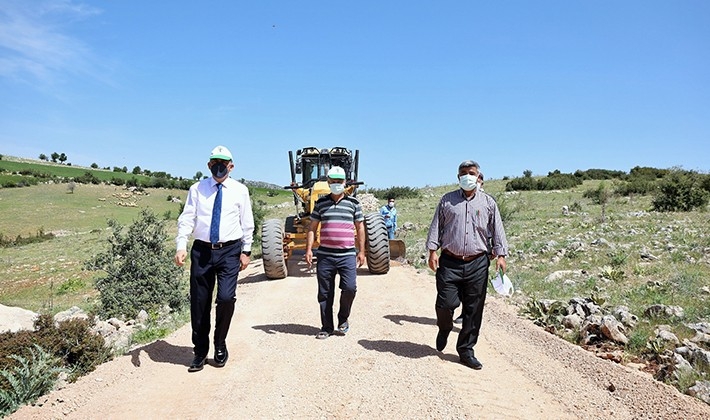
(328, 266)
(210, 266)
(461, 282)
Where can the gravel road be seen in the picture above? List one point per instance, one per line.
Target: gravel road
(385, 367)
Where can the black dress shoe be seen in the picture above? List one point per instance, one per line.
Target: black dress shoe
(197, 363)
(220, 356)
(471, 362)
(441, 339)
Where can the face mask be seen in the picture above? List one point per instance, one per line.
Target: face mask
(468, 182)
(219, 170)
(390, 205)
(337, 189)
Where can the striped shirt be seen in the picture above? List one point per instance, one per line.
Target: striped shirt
(337, 224)
(462, 225)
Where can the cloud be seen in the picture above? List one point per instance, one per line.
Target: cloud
(36, 45)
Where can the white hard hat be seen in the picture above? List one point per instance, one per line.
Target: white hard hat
(221, 152)
(502, 284)
(336, 172)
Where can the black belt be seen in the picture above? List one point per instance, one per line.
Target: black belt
(461, 257)
(218, 245)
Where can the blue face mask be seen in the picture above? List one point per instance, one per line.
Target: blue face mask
(468, 182)
(219, 170)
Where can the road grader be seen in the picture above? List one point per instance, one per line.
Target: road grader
(281, 239)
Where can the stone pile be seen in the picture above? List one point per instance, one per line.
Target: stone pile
(368, 202)
(595, 325)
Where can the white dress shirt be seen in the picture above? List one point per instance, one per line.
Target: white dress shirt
(237, 219)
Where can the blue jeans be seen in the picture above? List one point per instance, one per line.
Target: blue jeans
(326, 269)
(390, 231)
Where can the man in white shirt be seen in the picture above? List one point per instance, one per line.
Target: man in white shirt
(218, 214)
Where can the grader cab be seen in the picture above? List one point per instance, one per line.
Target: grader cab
(281, 238)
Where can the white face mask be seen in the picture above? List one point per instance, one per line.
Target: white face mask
(337, 189)
(468, 182)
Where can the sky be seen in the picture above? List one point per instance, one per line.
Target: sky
(415, 86)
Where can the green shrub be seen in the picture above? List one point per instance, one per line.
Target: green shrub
(525, 183)
(87, 178)
(599, 174)
(259, 211)
(395, 192)
(599, 195)
(558, 181)
(29, 379)
(647, 172)
(618, 258)
(41, 236)
(140, 273)
(72, 341)
(575, 207)
(80, 349)
(640, 186)
(69, 286)
(554, 180)
(680, 191)
(705, 182)
(639, 338)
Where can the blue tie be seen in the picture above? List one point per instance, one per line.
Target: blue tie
(216, 213)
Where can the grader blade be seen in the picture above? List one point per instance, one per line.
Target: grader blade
(397, 249)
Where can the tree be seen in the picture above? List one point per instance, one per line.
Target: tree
(140, 273)
(527, 173)
(680, 190)
(94, 166)
(62, 158)
(198, 176)
(55, 156)
(136, 170)
(42, 156)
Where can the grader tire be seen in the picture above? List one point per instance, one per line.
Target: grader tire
(377, 244)
(272, 248)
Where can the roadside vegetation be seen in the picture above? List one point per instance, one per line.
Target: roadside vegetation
(608, 238)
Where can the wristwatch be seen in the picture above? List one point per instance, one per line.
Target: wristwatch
(247, 253)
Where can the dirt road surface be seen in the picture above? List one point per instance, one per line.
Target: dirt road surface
(385, 367)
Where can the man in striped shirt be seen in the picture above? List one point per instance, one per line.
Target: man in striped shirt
(338, 216)
(463, 221)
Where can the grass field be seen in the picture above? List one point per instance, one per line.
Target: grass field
(10, 164)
